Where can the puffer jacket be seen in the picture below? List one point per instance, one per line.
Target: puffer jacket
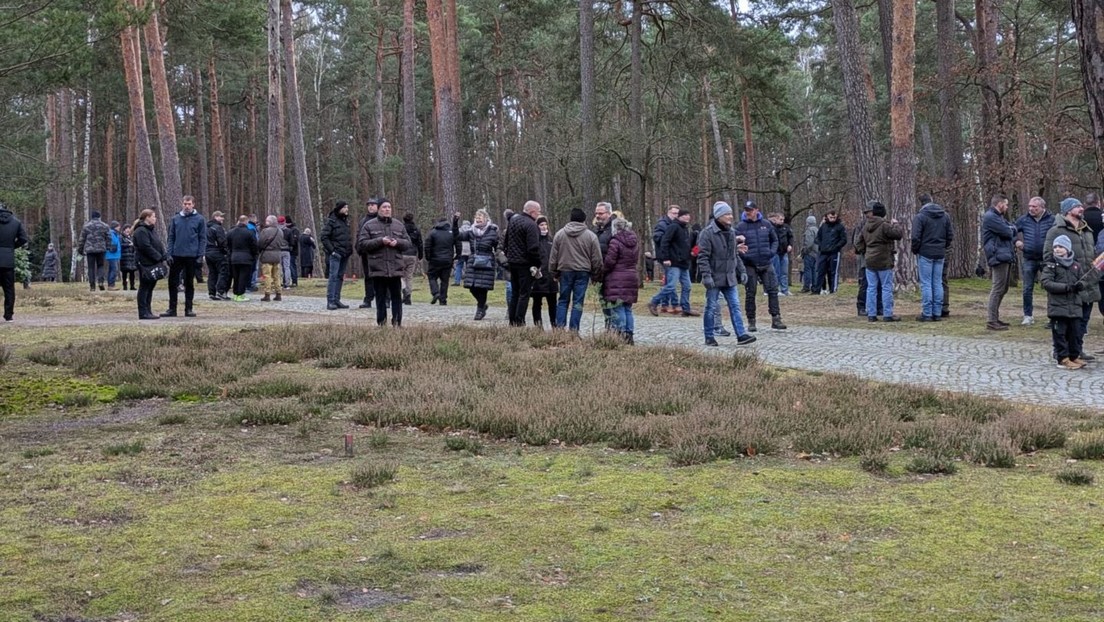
(216, 239)
(876, 242)
(674, 247)
(128, 260)
(605, 234)
(522, 245)
(659, 229)
(1033, 234)
(147, 246)
(1081, 237)
(271, 243)
(242, 245)
(485, 245)
(546, 284)
(932, 232)
(306, 251)
(417, 249)
(336, 236)
(831, 237)
(95, 237)
(997, 238)
(575, 248)
(115, 247)
(717, 258)
(785, 238)
(383, 260)
(1058, 280)
(440, 247)
(12, 236)
(51, 264)
(761, 240)
(620, 281)
(291, 234)
(187, 235)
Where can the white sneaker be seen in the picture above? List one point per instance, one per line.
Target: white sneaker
(1027, 321)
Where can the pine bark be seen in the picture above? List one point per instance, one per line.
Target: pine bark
(718, 145)
(586, 78)
(109, 170)
(149, 196)
(200, 121)
(991, 140)
(218, 145)
(163, 111)
(636, 107)
(274, 195)
(379, 142)
(902, 130)
(1088, 18)
(444, 58)
(304, 215)
(409, 110)
(864, 152)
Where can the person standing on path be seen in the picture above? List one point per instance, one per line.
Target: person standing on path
(721, 269)
(217, 258)
(860, 298)
(997, 239)
(306, 253)
(12, 236)
(1071, 224)
(809, 255)
(242, 253)
(128, 262)
(285, 252)
(544, 288)
(149, 252)
(575, 258)
(1031, 230)
(384, 241)
(94, 241)
(762, 246)
(876, 242)
(781, 261)
(440, 249)
(665, 221)
(479, 275)
(337, 241)
(113, 255)
(620, 280)
(1063, 279)
(674, 255)
(462, 252)
(411, 256)
(272, 245)
(371, 207)
(522, 249)
(831, 238)
(187, 244)
(931, 237)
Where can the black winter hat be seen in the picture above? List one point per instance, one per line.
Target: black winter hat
(408, 217)
(879, 210)
(578, 215)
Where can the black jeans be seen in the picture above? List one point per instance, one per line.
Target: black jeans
(218, 275)
(243, 274)
(182, 267)
(538, 299)
(145, 296)
(392, 285)
(369, 284)
(129, 277)
(7, 283)
(480, 296)
(521, 282)
(1066, 336)
(827, 275)
(97, 272)
(770, 285)
(439, 277)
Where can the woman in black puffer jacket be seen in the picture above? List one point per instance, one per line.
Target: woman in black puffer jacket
(544, 288)
(128, 261)
(479, 274)
(149, 252)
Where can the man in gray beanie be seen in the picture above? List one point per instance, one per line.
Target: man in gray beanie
(721, 270)
(1071, 223)
(809, 255)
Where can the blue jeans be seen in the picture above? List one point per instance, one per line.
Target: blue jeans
(573, 286)
(931, 286)
(1032, 270)
(875, 280)
(781, 265)
(808, 274)
(621, 318)
(458, 272)
(711, 319)
(674, 276)
(337, 275)
(112, 271)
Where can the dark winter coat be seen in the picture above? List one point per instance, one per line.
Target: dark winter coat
(717, 258)
(306, 251)
(785, 238)
(1033, 234)
(187, 235)
(485, 245)
(522, 245)
(95, 237)
(440, 245)
(575, 249)
(620, 281)
(876, 242)
(242, 246)
(660, 229)
(417, 248)
(546, 284)
(291, 236)
(271, 243)
(931, 232)
(12, 236)
(997, 238)
(1095, 219)
(336, 236)
(360, 226)
(1080, 236)
(761, 240)
(831, 237)
(674, 247)
(383, 260)
(216, 240)
(114, 248)
(809, 242)
(128, 259)
(1058, 281)
(605, 234)
(148, 249)
(51, 265)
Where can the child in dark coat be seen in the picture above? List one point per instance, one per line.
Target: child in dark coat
(1064, 281)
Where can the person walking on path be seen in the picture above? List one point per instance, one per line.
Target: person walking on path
(217, 256)
(384, 241)
(762, 246)
(1072, 225)
(371, 209)
(781, 260)
(51, 264)
(242, 253)
(1063, 278)
(620, 281)
(12, 236)
(575, 258)
(337, 241)
(522, 249)
(657, 236)
(1031, 230)
(997, 242)
(831, 238)
(187, 243)
(721, 269)
(440, 249)
(94, 241)
(674, 255)
(479, 274)
(931, 237)
(876, 242)
(809, 255)
(113, 255)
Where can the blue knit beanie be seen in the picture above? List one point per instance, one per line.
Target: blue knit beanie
(1068, 204)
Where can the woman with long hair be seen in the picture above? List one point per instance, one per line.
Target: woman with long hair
(149, 252)
(479, 274)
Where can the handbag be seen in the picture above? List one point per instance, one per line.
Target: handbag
(484, 262)
(155, 272)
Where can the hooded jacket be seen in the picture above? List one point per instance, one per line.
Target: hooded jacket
(831, 237)
(95, 237)
(216, 239)
(575, 248)
(336, 236)
(1033, 234)
(931, 232)
(187, 235)
(115, 246)
(1058, 280)
(241, 244)
(384, 261)
(128, 260)
(1081, 237)
(809, 242)
(717, 258)
(620, 282)
(440, 246)
(876, 241)
(417, 249)
(12, 236)
(306, 251)
(761, 239)
(785, 238)
(51, 264)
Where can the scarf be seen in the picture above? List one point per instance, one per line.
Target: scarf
(479, 230)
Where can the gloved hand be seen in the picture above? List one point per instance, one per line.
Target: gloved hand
(707, 281)
(979, 271)
(743, 278)
(1078, 286)
(535, 272)
(168, 260)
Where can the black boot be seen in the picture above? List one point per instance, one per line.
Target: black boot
(629, 339)
(480, 313)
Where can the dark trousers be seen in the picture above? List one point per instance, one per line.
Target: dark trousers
(128, 277)
(145, 296)
(294, 270)
(860, 300)
(439, 281)
(308, 271)
(218, 275)
(182, 268)
(770, 285)
(369, 284)
(538, 299)
(480, 296)
(392, 285)
(522, 283)
(1067, 337)
(827, 272)
(946, 294)
(7, 283)
(243, 275)
(96, 270)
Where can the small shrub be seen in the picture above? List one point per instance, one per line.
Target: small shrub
(379, 440)
(172, 419)
(37, 452)
(269, 387)
(607, 341)
(1087, 446)
(1036, 432)
(687, 454)
(874, 461)
(933, 464)
(742, 360)
(268, 412)
(994, 449)
(372, 474)
(48, 357)
(138, 392)
(1075, 476)
(76, 400)
(463, 443)
(124, 449)
(5, 355)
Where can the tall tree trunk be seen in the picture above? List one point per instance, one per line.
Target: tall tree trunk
(749, 145)
(149, 197)
(109, 170)
(201, 141)
(586, 78)
(365, 179)
(722, 174)
(86, 177)
(304, 215)
(1088, 18)
(902, 129)
(409, 110)
(218, 145)
(864, 153)
(274, 196)
(66, 158)
(444, 58)
(636, 104)
(885, 29)
(379, 142)
(131, 174)
(955, 199)
(991, 139)
(163, 111)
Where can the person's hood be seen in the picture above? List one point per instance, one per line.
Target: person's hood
(872, 223)
(213, 222)
(575, 229)
(811, 221)
(443, 226)
(743, 217)
(933, 210)
(181, 213)
(5, 216)
(336, 212)
(626, 237)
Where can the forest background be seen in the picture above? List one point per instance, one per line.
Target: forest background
(447, 105)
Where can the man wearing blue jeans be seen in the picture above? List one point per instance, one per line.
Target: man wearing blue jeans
(1031, 231)
(575, 255)
(337, 240)
(876, 242)
(781, 261)
(931, 237)
(674, 254)
(657, 237)
(721, 270)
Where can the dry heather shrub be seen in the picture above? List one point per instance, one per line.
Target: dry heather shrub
(282, 386)
(1087, 445)
(1035, 431)
(994, 448)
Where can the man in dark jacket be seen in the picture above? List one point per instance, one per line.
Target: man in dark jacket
(931, 237)
(997, 241)
(411, 256)
(1071, 223)
(876, 242)
(291, 236)
(762, 247)
(242, 253)
(522, 249)
(384, 241)
(337, 241)
(371, 207)
(657, 236)
(721, 269)
(781, 261)
(1031, 230)
(603, 224)
(95, 239)
(1094, 217)
(860, 297)
(12, 236)
(673, 254)
(440, 248)
(217, 256)
(187, 243)
(831, 238)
